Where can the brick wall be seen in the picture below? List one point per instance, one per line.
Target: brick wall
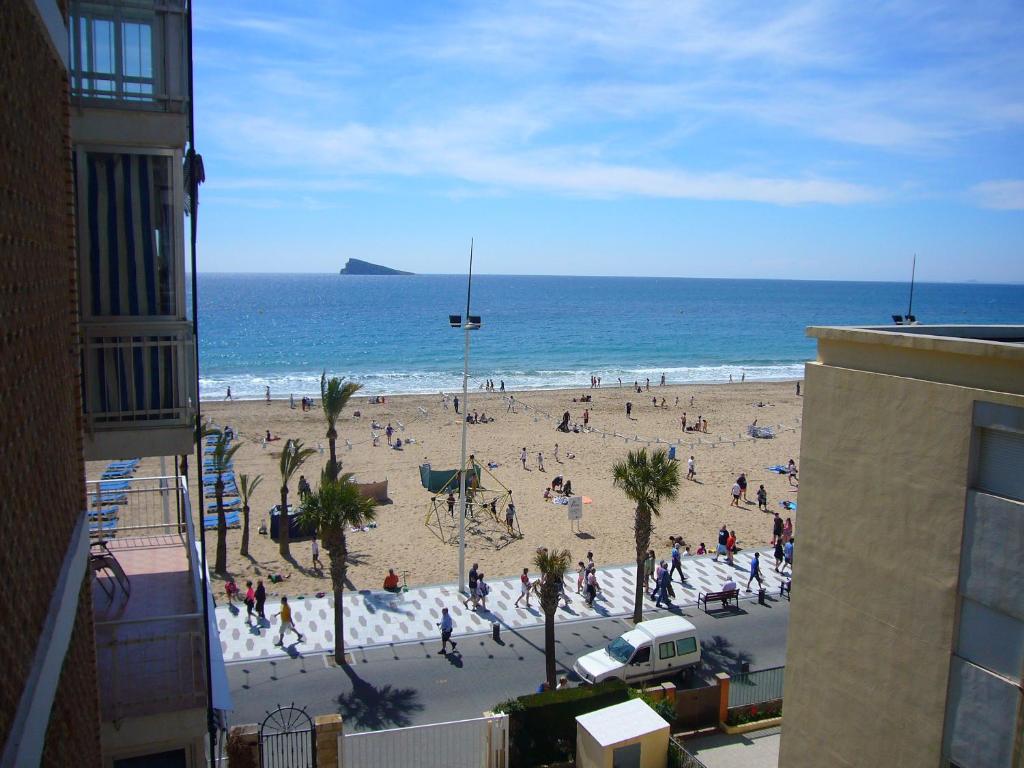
(41, 472)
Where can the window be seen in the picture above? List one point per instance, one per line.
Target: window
(667, 650)
(643, 655)
(686, 645)
(112, 55)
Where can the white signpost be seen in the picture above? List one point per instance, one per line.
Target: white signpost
(575, 511)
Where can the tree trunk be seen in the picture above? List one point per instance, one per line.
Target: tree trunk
(642, 531)
(332, 468)
(337, 553)
(244, 551)
(221, 564)
(549, 646)
(283, 524)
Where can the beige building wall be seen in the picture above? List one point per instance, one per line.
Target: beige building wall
(884, 477)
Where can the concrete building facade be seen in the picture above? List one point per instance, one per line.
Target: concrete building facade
(906, 642)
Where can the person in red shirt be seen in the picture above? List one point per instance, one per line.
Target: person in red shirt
(391, 581)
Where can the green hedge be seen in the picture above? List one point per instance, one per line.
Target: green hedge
(542, 726)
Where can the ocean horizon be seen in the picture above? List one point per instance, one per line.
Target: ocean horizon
(391, 333)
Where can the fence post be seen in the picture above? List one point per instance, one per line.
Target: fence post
(723, 696)
(328, 732)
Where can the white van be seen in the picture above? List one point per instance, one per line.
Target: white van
(652, 648)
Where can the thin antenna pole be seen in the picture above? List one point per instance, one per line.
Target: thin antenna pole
(469, 281)
(913, 272)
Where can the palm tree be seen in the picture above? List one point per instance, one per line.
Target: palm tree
(333, 397)
(221, 460)
(246, 488)
(329, 511)
(647, 482)
(292, 457)
(552, 566)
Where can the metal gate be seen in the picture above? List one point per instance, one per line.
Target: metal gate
(478, 743)
(287, 739)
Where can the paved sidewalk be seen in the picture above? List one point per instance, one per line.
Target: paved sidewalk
(378, 618)
(757, 749)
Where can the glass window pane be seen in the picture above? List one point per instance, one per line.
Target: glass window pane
(666, 650)
(102, 46)
(686, 645)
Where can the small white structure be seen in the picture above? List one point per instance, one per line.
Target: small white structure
(627, 735)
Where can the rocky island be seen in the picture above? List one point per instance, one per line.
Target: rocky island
(360, 267)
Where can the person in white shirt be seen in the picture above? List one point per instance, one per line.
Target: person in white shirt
(691, 469)
(729, 585)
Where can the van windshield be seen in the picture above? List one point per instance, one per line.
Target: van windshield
(620, 650)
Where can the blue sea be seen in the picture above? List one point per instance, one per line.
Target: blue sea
(392, 333)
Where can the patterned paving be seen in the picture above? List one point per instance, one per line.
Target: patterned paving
(377, 618)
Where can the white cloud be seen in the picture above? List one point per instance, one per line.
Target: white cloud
(1001, 195)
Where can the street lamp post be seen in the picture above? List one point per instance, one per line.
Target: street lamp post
(471, 323)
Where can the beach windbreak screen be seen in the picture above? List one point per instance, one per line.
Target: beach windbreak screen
(392, 333)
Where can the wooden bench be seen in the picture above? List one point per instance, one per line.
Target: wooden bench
(722, 597)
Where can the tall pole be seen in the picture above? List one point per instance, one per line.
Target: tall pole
(465, 410)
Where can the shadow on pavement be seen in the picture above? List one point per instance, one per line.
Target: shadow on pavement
(373, 708)
(718, 655)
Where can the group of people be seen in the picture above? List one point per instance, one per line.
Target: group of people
(488, 386)
(481, 418)
(700, 425)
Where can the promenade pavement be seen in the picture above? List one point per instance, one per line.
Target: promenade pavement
(375, 618)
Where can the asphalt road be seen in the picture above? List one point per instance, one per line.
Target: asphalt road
(411, 684)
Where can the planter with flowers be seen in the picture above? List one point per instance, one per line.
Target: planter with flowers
(753, 717)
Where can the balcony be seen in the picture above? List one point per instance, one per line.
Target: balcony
(128, 72)
(147, 606)
(138, 388)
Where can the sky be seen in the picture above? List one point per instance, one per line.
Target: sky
(813, 140)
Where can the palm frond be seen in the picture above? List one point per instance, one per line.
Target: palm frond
(247, 487)
(334, 396)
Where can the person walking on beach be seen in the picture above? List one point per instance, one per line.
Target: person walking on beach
(451, 504)
(755, 571)
(502, 385)
(228, 395)
(510, 516)
(682, 422)
(524, 588)
(791, 471)
(776, 529)
(629, 409)
(389, 432)
(648, 568)
(730, 544)
(591, 586)
(741, 481)
(316, 555)
(268, 395)
(762, 499)
(522, 457)
(581, 578)
(250, 602)
(540, 460)
(455, 402)
(472, 587)
(261, 598)
(736, 490)
(798, 389)
(691, 469)
(723, 538)
(664, 587)
(557, 460)
(286, 622)
(586, 417)
(446, 626)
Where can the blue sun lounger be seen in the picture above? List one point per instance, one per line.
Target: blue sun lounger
(233, 520)
(104, 526)
(106, 513)
(114, 485)
(229, 504)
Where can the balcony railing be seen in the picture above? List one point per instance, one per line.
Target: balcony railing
(149, 639)
(138, 373)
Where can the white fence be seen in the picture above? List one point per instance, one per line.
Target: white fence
(478, 743)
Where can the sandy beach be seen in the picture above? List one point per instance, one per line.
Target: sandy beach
(403, 541)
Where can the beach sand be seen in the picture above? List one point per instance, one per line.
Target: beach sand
(401, 539)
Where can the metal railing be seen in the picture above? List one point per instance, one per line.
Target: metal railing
(148, 506)
(678, 757)
(756, 687)
(151, 665)
(138, 372)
